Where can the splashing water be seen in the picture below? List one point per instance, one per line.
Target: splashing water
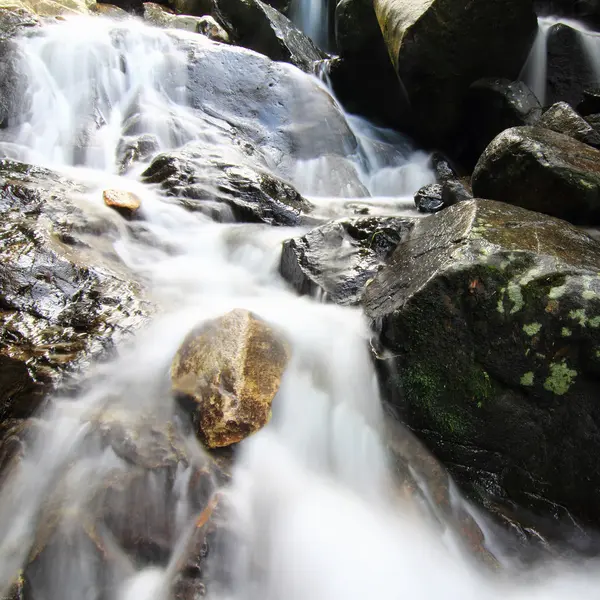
(313, 506)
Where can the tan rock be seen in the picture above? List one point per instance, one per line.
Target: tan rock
(228, 371)
(125, 203)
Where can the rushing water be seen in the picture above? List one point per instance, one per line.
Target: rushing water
(314, 508)
(535, 71)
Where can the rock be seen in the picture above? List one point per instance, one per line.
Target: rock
(227, 373)
(47, 8)
(66, 298)
(338, 259)
(135, 7)
(454, 191)
(109, 10)
(429, 198)
(487, 328)
(587, 11)
(541, 170)
(13, 84)
(493, 105)
(590, 105)
(125, 203)
(161, 16)
(286, 115)
(136, 149)
(264, 29)
(203, 175)
(442, 168)
(562, 118)
(569, 72)
(212, 30)
(437, 61)
(594, 122)
(15, 21)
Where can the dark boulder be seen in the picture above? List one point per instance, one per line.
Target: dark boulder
(541, 170)
(562, 118)
(65, 300)
(437, 62)
(590, 105)
(488, 323)
(338, 259)
(569, 71)
(199, 176)
(493, 105)
(429, 198)
(455, 190)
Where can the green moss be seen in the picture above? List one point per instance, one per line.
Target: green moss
(532, 328)
(565, 332)
(527, 378)
(560, 379)
(594, 322)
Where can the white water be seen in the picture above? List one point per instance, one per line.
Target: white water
(314, 507)
(535, 71)
(312, 18)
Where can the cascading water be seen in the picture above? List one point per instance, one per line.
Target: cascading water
(536, 68)
(313, 507)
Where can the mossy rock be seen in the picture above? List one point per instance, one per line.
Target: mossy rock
(488, 322)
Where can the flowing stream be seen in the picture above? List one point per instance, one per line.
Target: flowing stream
(315, 509)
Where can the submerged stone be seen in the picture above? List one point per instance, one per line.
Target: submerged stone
(470, 313)
(226, 373)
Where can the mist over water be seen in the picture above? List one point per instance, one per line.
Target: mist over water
(314, 506)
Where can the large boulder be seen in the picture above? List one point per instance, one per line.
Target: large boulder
(439, 47)
(337, 259)
(541, 170)
(488, 328)
(66, 298)
(562, 118)
(226, 373)
(569, 71)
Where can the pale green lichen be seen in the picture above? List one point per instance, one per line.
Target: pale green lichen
(565, 332)
(589, 294)
(500, 305)
(579, 316)
(532, 328)
(556, 292)
(516, 297)
(527, 378)
(594, 322)
(560, 379)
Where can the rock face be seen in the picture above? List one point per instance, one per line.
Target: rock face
(493, 105)
(436, 61)
(569, 72)
(561, 117)
(340, 257)
(488, 328)
(227, 373)
(12, 84)
(226, 186)
(65, 299)
(541, 170)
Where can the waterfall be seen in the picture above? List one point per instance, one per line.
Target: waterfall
(535, 71)
(312, 18)
(313, 506)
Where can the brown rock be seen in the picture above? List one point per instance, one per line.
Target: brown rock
(125, 203)
(228, 371)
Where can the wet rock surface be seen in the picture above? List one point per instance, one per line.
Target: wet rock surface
(429, 198)
(65, 297)
(541, 170)
(562, 118)
(437, 62)
(487, 337)
(339, 258)
(226, 373)
(208, 180)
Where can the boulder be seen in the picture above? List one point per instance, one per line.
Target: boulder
(561, 117)
(336, 260)
(439, 47)
(487, 328)
(136, 149)
(429, 198)
(161, 16)
(226, 373)
(590, 105)
(569, 72)
(260, 27)
(455, 190)
(541, 170)
(200, 176)
(66, 298)
(493, 105)
(285, 115)
(125, 203)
